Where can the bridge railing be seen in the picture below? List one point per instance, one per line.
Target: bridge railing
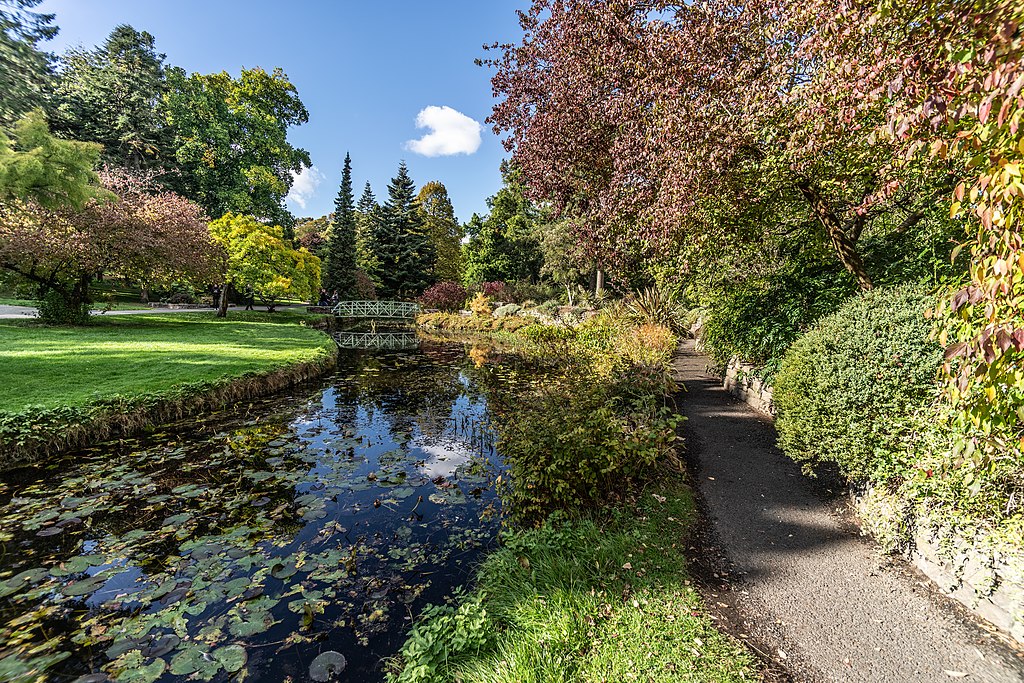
(376, 309)
(387, 341)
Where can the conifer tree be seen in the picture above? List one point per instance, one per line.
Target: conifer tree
(401, 242)
(340, 271)
(368, 211)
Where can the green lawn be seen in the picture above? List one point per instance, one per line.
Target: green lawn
(141, 354)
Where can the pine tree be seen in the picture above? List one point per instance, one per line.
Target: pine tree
(401, 242)
(340, 270)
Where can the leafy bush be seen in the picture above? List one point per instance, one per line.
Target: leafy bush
(549, 308)
(507, 310)
(56, 310)
(846, 389)
(758, 319)
(480, 305)
(528, 291)
(444, 296)
(443, 632)
(497, 291)
(366, 290)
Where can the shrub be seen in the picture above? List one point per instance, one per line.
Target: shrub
(443, 632)
(56, 310)
(366, 290)
(549, 308)
(480, 305)
(846, 389)
(497, 291)
(658, 307)
(444, 296)
(759, 318)
(507, 310)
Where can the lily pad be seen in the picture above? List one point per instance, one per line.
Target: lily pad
(326, 665)
(84, 587)
(231, 657)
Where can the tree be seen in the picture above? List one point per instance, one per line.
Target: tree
(340, 268)
(443, 229)
(640, 116)
(367, 216)
(133, 230)
(25, 70)
(400, 242)
(503, 246)
(313, 233)
(261, 260)
(231, 140)
(113, 95)
(39, 168)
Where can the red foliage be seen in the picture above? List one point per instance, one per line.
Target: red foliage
(497, 291)
(444, 296)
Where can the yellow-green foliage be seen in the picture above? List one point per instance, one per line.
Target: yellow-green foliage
(480, 305)
(260, 258)
(453, 322)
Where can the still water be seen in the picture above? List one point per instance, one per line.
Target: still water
(287, 539)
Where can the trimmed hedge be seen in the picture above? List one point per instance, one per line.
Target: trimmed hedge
(845, 390)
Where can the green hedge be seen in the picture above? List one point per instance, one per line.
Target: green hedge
(846, 389)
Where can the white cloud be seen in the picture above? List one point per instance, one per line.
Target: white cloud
(452, 132)
(304, 185)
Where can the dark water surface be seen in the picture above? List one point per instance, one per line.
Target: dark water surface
(245, 545)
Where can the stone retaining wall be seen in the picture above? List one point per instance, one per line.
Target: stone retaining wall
(741, 381)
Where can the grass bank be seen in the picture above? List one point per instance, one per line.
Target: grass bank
(590, 583)
(67, 386)
(583, 601)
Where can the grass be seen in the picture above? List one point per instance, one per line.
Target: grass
(54, 367)
(583, 602)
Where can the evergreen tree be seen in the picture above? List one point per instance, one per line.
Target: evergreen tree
(367, 212)
(340, 271)
(113, 95)
(443, 229)
(400, 240)
(25, 70)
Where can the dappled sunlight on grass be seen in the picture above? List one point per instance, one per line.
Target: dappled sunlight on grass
(52, 366)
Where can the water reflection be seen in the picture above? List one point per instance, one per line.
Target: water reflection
(257, 539)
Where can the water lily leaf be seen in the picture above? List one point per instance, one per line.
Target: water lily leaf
(283, 570)
(161, 646)
(326, 665)
(84, 587)
(50, 531)
(92, 678)
(231, 657)
(192, 660)
(257, 622)
(131, 669)
(177, 520)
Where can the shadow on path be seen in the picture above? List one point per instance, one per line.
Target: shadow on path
(790, 575)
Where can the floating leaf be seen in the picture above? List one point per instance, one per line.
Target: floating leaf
(84, 587)
(327, 665)
(231, 657)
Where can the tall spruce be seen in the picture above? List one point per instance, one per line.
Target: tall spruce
(340, 271)
(401, 243)
(368, 211)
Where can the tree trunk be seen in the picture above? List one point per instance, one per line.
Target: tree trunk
(222, 306)
(845, 246)
(599, 289)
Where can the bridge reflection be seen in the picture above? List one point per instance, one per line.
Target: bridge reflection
(388, 341)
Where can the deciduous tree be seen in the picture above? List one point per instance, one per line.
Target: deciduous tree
(443, 229)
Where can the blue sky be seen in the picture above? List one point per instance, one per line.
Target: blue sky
(365, 70)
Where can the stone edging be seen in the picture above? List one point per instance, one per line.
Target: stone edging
(989, 582)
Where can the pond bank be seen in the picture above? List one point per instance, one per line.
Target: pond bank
(67, 388)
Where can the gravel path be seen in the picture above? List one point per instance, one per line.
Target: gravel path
(801, 586)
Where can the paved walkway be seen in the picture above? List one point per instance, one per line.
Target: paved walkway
(808, 591)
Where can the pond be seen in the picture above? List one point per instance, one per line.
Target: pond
(286, 539)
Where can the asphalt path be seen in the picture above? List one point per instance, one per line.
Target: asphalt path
(794, 578)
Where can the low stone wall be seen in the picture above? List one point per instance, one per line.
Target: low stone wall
(741, 381)
(985, 575)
